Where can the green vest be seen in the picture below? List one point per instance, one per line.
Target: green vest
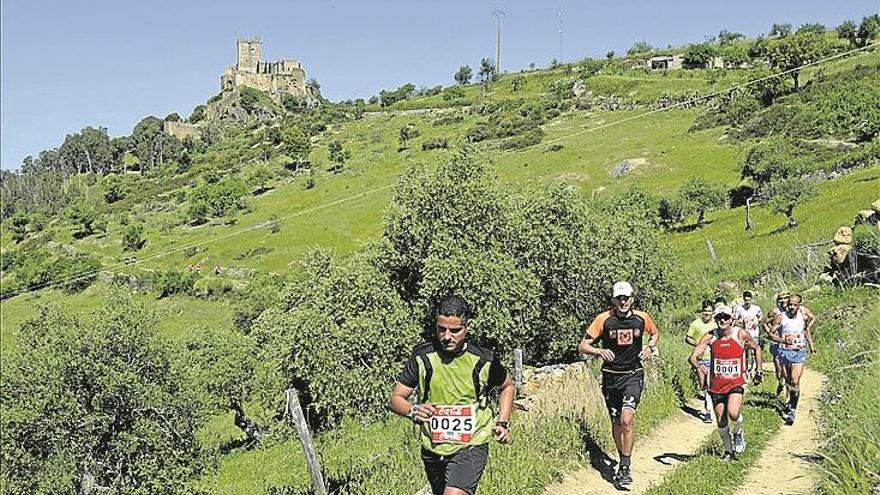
(452, 381)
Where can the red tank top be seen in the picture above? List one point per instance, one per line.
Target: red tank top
(728, 364)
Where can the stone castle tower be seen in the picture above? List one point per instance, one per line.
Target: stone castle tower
(274, 78)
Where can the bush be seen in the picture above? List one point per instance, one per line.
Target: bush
(85, 218)
(218, 199)
(95, 400)
(436, 143)
(453, 93)
(115, 188)
(133, 237)
(527, 140)
(866, 240)
(172, 281)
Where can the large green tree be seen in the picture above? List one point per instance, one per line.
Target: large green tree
(463, 75)
(93, 404)
(786, 194)
(793, 52)
(699, 196)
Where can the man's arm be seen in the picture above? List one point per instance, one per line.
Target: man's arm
(505, 407)
(808, 331)
(401, 406)
(749, 341)
(586, 347)
(699, 350)
(651, 328)
(773, 329)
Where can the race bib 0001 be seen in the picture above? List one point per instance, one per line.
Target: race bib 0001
(453, 424)
(727, 368)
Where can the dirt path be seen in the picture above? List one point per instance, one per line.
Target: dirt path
(787, 463)
(675, 440)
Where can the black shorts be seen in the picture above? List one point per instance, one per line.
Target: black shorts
(461, 470)
(622, 391)
(722, 398)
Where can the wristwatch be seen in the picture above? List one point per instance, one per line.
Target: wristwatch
(412, 413)
(503, 424)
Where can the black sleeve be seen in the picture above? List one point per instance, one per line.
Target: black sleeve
(409, 376)
(497, 373)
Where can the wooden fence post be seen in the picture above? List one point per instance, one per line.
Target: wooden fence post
(749, 213)
(712, 251)
(305, 438)
(518, 370)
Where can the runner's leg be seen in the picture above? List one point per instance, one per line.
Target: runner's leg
(794, 392)
(723, 429)
(734, 409)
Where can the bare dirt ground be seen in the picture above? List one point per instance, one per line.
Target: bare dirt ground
(676, 440)
(788, 463)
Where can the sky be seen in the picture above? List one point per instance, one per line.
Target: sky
(67, 65)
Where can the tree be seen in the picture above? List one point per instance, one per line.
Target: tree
(18, 226)
(868, 30)
(639, 47)
(85, 218)
(726, 37)
(589, 68)
(734, 55)
(609, 55)
(517, 82)
(314, 87)
(698, 196)
(152, 145)
(133, 237)
(813, 27)
(87, 151)
(295, 143)
(786, 194)
(699, 55)
(224, 369)
(115, 188)
(780, 30)
(260, 178)
(463, 75)
(338, 155)
(95, 404)
(792, 52)
(486, 70)
(198, 114)
(407, 132)
(848, 30)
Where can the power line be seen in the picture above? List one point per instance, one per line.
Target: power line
(258, 226)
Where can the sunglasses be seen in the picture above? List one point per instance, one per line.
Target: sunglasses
(723, 318)
(623, 298)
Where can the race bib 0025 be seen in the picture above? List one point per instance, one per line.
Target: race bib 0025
(453, 424)
(727, 368)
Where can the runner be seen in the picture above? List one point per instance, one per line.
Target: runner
(620, 331)
(781, 303)
(727, 377)
(749, 316)
(697, 329)
(454, 378)
(792, 330)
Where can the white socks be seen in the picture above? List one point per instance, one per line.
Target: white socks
(707, 402)
(736, 426)
(725, 439)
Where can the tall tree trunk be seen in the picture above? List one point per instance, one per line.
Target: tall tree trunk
(245, 424)
(701, 220)
(792, 223)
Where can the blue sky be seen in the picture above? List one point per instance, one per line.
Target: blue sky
(66, 65)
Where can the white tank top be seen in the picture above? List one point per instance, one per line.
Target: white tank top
(792, 331)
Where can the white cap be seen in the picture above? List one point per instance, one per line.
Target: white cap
(723, 310)
(622, 289)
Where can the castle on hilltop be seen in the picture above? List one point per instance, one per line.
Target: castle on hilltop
(274, 78)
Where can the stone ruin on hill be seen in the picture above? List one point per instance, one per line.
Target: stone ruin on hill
(276, 79)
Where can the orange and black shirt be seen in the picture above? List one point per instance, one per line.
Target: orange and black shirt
(622, 334)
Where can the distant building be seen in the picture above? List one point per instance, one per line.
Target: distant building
(666, 62)
(274, 78)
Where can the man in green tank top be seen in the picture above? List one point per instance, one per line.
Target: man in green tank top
(453, 378)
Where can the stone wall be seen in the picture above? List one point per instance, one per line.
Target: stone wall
(182, 130)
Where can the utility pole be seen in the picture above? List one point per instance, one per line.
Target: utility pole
(560, 35)
(498, 13)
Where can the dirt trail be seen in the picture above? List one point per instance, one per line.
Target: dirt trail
(677, 439)
(787, 463)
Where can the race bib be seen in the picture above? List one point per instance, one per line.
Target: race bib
(727, 368)
(793, 341)
(625, 336)
(453, 424)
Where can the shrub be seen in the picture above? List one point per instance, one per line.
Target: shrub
(453, 93)
(866, 240)
(96, 400)
(114, 188)
(218, 199)
(133, 237)
(436, 143)
(526, 140)
(173, 281)
(85, 218)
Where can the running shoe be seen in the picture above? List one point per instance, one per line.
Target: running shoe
(789, 419)
(728, 456)
(739, 442)
(706, 417)
(623, 476)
